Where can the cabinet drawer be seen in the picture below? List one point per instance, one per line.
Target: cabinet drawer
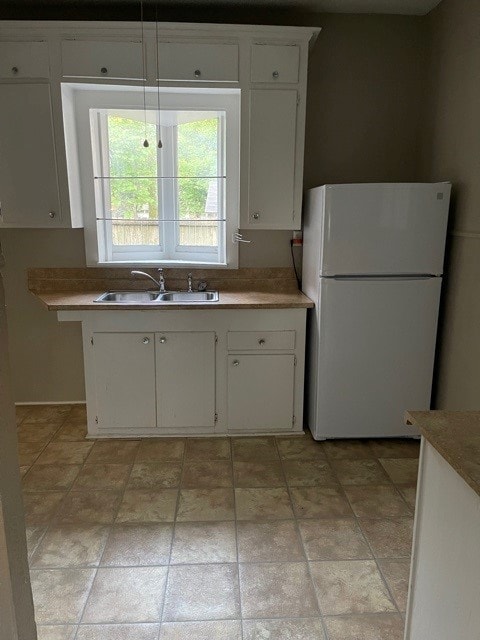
(274, 63)
(81, 59)
(24, 60)
(198, 62)
(260, 340)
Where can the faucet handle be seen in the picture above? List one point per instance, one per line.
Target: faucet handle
(202, 285)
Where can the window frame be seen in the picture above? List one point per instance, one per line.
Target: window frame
(78, 101)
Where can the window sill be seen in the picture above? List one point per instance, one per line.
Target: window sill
(172, 264)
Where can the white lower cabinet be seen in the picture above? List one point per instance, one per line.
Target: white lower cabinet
(261, 392)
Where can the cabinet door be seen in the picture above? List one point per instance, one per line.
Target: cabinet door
(185, 365)
(260, 392)
(198, 62)
(29, 195)
(273, 130)
(125, 380)
(274, 63)
(102, 60)
(24, 60)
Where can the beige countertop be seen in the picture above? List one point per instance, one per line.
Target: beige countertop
(83, 301)
(456, 437)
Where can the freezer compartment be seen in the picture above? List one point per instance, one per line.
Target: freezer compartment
(383, 228)
(375, 355)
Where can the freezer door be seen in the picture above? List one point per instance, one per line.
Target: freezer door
(384, 229)
(376, 345)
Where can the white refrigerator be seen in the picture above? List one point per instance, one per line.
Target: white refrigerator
(372, 263)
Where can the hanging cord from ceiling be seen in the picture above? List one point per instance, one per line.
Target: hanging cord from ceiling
(145, 141)
(160, 144)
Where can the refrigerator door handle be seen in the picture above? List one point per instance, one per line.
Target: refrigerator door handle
(389, 278)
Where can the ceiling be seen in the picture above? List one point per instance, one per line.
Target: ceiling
(405, 7)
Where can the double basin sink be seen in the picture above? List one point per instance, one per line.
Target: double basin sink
(154, 297)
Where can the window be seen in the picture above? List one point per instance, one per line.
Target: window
(177, 203)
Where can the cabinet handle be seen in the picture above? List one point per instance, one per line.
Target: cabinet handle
(104, 70)
(14, 70)
(275, 74)
(261, 342)
(197, 73)
(51, 214)
(163, 340)
(236, 363)
(146, 340)
(256, 215)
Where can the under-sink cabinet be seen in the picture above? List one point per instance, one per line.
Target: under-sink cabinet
(153, 373)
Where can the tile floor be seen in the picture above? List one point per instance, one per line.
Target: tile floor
(214, 539)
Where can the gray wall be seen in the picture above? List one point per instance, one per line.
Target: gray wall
(451, 151)
(363, 121)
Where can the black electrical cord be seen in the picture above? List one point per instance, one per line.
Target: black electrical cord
(294, 265)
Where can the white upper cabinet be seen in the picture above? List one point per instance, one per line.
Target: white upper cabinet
(93, 59)
(198, 62)
(275, 63)
(24, 60)
(29, 193)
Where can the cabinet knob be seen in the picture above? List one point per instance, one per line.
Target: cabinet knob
(236, 363)
(197, 73)
(14, 70)
(146, 340)
(261, 342)
(51, 214)
(104, 70)
(275, 74)
(163, 340)
(256, 215)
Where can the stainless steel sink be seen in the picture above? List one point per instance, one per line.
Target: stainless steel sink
(187, 297)
(128, 297)
(153, 297)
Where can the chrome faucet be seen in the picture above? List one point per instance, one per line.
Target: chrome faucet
(189, 277)
(160, 283)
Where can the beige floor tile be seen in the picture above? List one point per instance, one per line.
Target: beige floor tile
(65, 453)
(207, 449)
(347, 449)
(34, 535)
(71, 432)
(263, 504)
(277, 589)
(23, 470)
(94, 507)
(409, 494)
(131, 545)
(21, 412)
(28, 452)
(320, 502)
(205, 542)
(56, 632)
(155, 475)
(397, 575)
(142, 505)
(40, 508)
(118, 451)
(353, 586)
(401, 470)
(165, 449)
(54, 413)
(133, 594)
(211, 630)
(333, 540)
(395, 448)
(207, 474)
(70, 546)
(118, 632)
(285, 629)
(272, 541)
(308, 473)
(59, 595)
(36, 432)
(376, 501)
(202, 592)
(251, 449)
(197, 505)
(51, 477)
(258, 474)
(359, 472)
(390, 538)
(102, 477)
(300, 448)
(78, 413)
(385, 626)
